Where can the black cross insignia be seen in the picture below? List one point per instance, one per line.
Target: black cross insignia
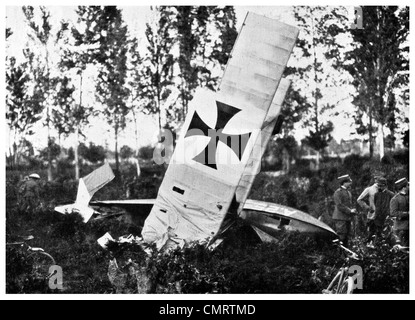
(225, 114)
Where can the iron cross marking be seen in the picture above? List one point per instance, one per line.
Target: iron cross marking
(237, 143)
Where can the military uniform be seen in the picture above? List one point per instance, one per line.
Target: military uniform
(343, 214)
(29, 195)
(382, 206)
(399, 209)
(382, 201)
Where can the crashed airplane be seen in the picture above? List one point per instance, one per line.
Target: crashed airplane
(267, 219)
(219, 152)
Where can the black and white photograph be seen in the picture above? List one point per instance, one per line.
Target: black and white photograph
(207, 149)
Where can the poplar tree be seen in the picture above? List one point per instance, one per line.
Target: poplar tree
(320, 49)
(379, 63)
(41, 38)
(112, 76)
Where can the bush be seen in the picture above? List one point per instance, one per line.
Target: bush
(401, 156)
(20, 277)
(93, 153)
(59, 191)
(65, 164)
(295, 264)
(387, 159)
(53, 148)
(126, 152)
(35, 163)
(302, 166)
(146, 153)
(385, 270)
(240, 266)
(352, 164)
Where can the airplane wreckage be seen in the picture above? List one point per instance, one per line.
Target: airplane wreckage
(199, 197)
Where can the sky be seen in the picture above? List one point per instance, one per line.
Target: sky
(136, 17)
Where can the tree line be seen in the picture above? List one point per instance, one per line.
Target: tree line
(187, 47)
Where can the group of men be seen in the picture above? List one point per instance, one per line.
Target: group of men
(377, 203)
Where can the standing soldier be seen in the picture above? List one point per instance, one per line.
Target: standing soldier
(29, 193)
(369, 195)
(343, 212)
(399, 209)
(382, 201)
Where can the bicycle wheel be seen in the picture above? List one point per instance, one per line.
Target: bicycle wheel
(347, 286)
(331, 289)
(41, 263)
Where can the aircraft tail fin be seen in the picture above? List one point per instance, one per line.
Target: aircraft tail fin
(87, 187)
(91, 183)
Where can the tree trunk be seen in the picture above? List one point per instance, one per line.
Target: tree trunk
(286, 160)
(316, 98)
(393, 146)
(379, 98)
(136, 135)
(185, 102)
(318, 160)
(158, 107)
(370, 133)
(137, 148)
(159, 124)
(76, 153)
(381, 142)
(50, 177)
(10, 158)
(117, 161)
(15, 159)
(59, 144)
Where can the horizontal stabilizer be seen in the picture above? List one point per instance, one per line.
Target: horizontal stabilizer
(85, 212)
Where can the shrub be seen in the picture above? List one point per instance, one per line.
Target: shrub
(295, 264)
(64, 165)
(34, 163)
(388, 159)
(352, 164)
(384, 270)
(93, 153)
(53, 148)
(401, 156)
(126, 152)
(306, 173)
(20, 277)
(241, 265)
(69, 227)
(146, 153)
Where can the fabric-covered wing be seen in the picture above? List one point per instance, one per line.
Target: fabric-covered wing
(195, 196)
